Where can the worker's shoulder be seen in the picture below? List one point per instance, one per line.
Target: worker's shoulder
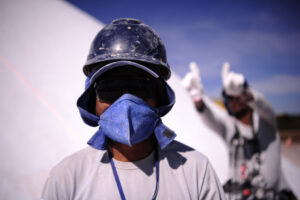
(78, 159)
(179, 150)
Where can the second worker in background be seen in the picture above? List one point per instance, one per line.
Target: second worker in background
(250, 132)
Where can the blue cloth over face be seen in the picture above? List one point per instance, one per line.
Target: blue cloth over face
(130, 120)
(163, 134)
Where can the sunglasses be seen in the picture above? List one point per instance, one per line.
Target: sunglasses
(110, 89)
(231, 98)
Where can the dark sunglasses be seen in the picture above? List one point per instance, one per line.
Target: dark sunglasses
(229, 97)
(110, 89)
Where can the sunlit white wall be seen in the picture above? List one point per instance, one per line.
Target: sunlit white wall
(43, 45)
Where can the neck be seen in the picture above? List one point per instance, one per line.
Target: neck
(132, 153)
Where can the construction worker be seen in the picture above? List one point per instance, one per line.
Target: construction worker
(133, 155)
(249, 129)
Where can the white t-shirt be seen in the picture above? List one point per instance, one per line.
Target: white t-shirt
(183, 174)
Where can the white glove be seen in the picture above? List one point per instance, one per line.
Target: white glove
(233, 83)
(192, 82)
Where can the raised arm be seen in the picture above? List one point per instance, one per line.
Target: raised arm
(211, 118)
(193, 84)
(258, 103)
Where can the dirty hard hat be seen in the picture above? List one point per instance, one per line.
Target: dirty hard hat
(128, 40)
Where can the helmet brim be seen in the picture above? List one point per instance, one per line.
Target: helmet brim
(117, 64)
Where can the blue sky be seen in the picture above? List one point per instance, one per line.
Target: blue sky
(260, 39)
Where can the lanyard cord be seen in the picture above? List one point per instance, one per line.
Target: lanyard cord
(118, 180)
